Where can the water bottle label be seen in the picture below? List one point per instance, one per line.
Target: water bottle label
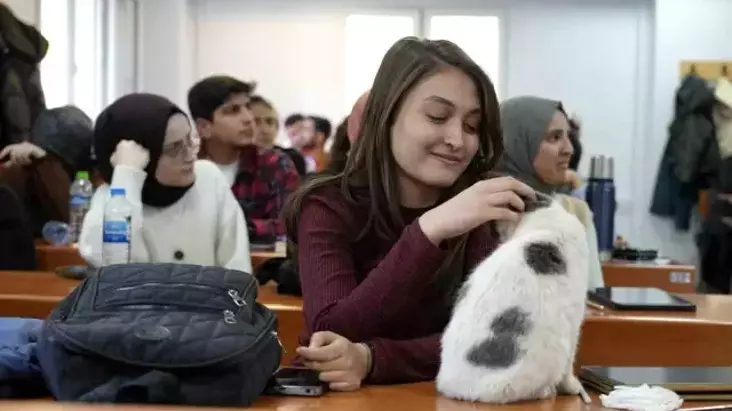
(116, 232)
(79, 200)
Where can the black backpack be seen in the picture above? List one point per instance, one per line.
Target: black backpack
(161, 333)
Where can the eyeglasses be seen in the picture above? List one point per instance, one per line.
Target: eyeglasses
(182, 148)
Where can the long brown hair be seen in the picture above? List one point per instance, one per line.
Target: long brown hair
(370, 174)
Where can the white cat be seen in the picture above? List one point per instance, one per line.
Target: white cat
(516, 323)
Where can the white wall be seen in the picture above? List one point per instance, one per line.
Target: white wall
(26, 10)
(613, 61)
(166, 43)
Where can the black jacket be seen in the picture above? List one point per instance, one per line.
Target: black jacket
(691, 157)
(22, 47)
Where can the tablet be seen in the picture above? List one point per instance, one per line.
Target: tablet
(639, 298)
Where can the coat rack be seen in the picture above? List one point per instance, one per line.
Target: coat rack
(707, 69)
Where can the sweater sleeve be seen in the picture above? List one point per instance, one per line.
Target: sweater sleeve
(232, 244)
(90, 240)
(333, 299)
(405, 361)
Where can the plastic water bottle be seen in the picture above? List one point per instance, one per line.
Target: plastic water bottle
(56, 233)
(80, 195)
(116, 229)
(600, 196)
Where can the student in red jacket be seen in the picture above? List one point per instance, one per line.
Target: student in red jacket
(384, 245)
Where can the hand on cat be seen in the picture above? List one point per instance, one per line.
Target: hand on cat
(128, 153)
(21, 154)
(484, 201)
(341, 363)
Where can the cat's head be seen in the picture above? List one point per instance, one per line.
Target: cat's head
(543, 213)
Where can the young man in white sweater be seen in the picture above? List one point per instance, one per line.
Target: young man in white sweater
(182, 209)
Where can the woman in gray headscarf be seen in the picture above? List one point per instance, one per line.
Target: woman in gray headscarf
(537, 151)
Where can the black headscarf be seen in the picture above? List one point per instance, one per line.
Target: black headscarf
(142, 118)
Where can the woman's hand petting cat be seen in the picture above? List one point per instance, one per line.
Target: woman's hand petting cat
(128, 153)
(487, 200)
(341, 363)
(20, 154)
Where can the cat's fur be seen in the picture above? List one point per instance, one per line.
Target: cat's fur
(516, 323)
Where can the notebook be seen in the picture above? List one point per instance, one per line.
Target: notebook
(690, 383)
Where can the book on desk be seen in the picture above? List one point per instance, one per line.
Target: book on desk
(690, 383)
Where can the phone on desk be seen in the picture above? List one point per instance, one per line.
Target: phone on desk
(296, 381)
(74, 272)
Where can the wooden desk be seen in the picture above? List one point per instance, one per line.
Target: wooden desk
(414, 397)
(658, 338)
(608, 337)
(674, 278)
(49, 258)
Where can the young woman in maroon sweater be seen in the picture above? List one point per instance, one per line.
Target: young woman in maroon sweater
(383, 245)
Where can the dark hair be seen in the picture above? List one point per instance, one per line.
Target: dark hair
(322, 125)
(574, 137)
(369, 176)
(257, 99)
(339, 149)
(293, 118)
(212, 92)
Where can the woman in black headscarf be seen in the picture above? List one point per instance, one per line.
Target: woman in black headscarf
(144, 145)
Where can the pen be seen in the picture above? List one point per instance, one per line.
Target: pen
(595, 305)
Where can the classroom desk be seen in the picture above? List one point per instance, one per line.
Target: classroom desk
(49, 257)
(608, 337)
(660, 339)
(673, 278)
(413, 397)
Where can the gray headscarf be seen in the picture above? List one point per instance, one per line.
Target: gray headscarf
(525, 120)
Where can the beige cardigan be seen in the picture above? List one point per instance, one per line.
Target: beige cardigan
(582, 211)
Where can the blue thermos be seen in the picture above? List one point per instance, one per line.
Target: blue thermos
(600, 196)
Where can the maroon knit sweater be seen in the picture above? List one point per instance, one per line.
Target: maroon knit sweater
(375, 291)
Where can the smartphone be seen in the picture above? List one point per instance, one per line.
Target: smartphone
(295, 381)
(74, 272)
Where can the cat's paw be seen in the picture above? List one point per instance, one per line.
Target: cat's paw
(570, 385)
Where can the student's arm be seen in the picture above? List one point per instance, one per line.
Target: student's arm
(285, 180)
(232, 244)
(404, 361)
(333, 299)
(90, 240)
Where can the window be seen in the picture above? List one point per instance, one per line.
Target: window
(479, 36)
(56, 66)
(367, 39)
(71, 72)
